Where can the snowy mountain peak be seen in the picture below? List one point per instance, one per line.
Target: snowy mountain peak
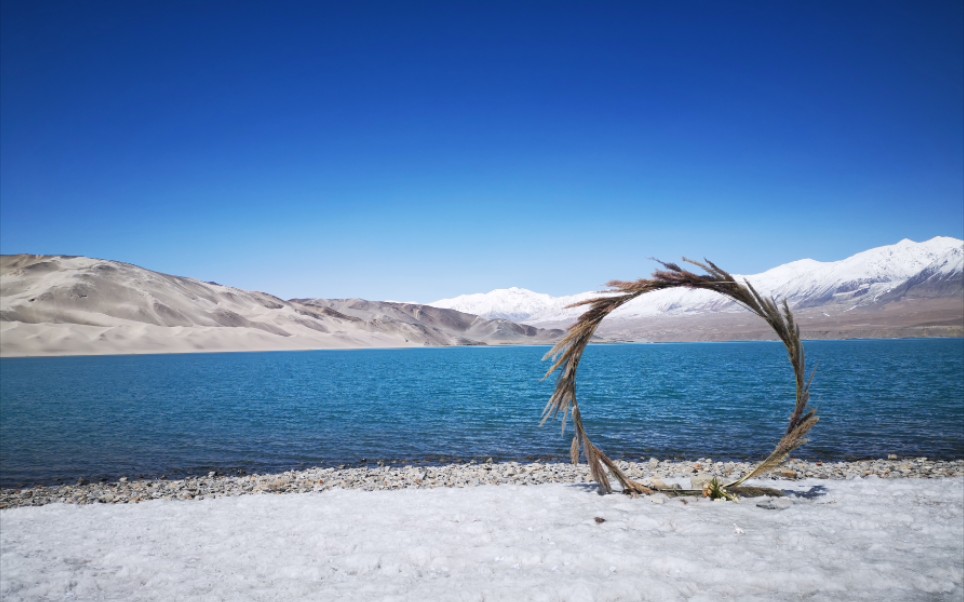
(514, 303)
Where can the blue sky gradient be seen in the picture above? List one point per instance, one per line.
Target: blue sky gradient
(420, 150)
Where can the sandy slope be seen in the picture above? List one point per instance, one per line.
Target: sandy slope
(78, 305)
(436, 325)
(863, 539)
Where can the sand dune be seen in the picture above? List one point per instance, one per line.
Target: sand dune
(82, 306)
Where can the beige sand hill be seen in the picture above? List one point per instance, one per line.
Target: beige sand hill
(81, 306)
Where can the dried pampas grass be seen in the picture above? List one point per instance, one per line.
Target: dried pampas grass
(567, 354)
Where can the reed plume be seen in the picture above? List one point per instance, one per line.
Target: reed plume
(567, 354)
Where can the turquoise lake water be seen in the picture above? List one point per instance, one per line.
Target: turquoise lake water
(62, 419)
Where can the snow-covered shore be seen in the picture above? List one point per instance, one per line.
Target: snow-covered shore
(855, 539)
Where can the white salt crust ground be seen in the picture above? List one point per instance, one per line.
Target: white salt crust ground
(862, 539)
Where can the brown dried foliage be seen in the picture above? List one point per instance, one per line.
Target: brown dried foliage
(567, 354)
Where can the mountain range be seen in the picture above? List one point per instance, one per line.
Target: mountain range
(902, 290)
(55, 305)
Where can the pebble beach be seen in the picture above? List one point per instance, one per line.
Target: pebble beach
(372, 478)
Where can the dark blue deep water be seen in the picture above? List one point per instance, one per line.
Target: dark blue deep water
(62, 419)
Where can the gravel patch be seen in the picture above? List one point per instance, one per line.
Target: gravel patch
(125, 491)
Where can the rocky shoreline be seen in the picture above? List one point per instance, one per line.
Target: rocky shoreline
(125, 491)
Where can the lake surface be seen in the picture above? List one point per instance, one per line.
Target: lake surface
(67, 418)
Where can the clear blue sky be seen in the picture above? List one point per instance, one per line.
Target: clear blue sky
(419, 150)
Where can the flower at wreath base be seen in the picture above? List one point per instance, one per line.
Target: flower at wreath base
(715, 490)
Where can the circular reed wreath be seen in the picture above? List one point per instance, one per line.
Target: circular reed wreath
(567, 354)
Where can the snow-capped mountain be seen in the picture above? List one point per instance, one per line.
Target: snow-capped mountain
(877, 276)
(864, 278)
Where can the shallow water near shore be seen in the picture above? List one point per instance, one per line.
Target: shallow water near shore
(62, 419)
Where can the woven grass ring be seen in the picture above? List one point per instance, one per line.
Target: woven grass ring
(568, 352)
